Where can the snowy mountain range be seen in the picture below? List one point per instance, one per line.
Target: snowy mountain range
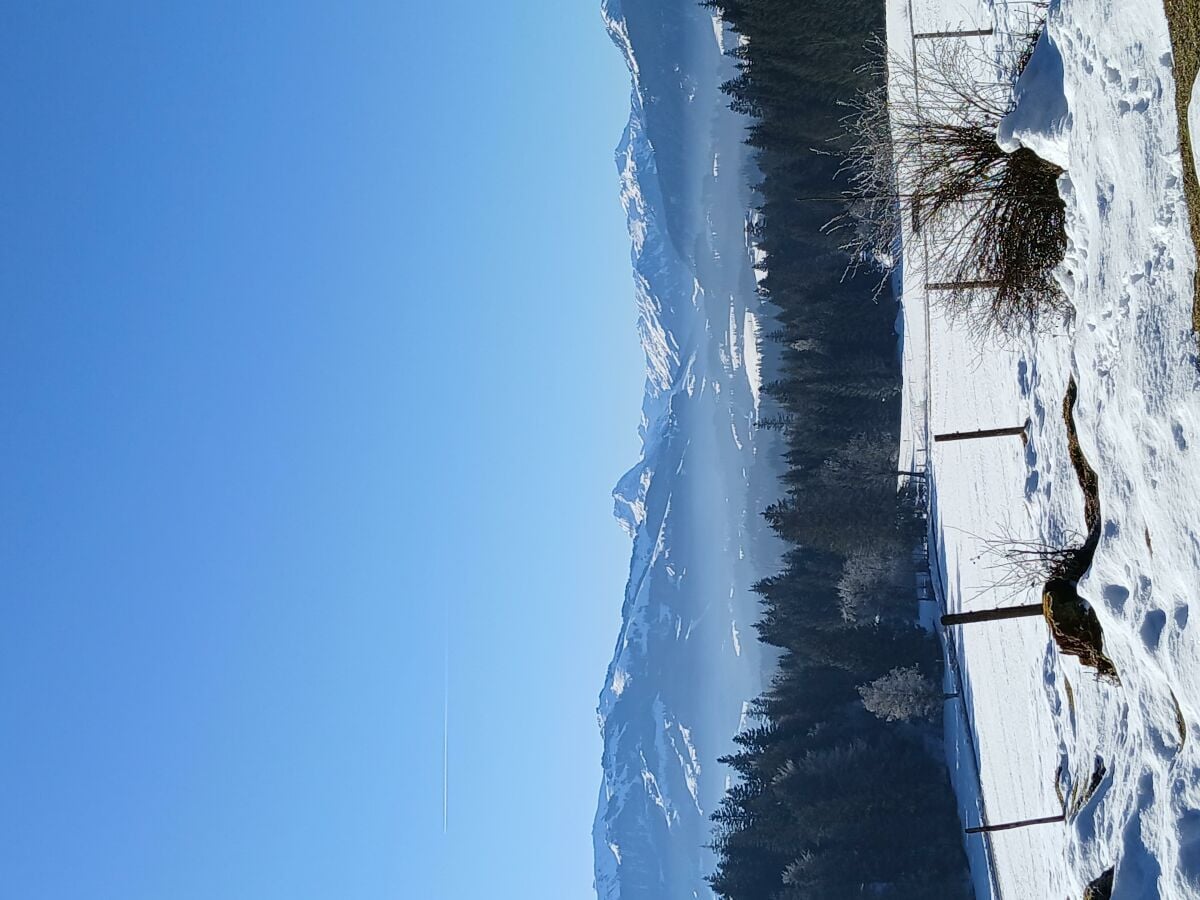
(687, 659)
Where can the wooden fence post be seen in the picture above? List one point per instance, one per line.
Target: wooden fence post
(1006, 826)
(1015, 430)
(1027, 610)
(975, 32)
(960, 285)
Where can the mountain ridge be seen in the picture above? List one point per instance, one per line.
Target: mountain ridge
(686, 659)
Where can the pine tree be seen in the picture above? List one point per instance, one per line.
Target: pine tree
(901, 695)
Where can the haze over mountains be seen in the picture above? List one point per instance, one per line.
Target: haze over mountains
(687, 658)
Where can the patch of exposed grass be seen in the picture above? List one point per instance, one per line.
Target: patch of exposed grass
(1088, 482)
(1101, 888)
(1183, 19)
(1076, 629)
(1085, 792)
(1073, 622)
(1180, 721)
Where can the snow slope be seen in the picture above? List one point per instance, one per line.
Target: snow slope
(686, 659)
(1099, 100)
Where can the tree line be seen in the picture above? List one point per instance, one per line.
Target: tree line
(842, 789)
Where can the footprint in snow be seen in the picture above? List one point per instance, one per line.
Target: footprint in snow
(1115, 596)
(1138, 870)
(1188, 828)
(1023, 377)
(1152, 628)
(1177, 433)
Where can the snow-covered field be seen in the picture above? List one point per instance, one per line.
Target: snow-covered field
(1106, 114)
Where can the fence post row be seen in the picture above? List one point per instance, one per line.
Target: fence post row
(985, 831)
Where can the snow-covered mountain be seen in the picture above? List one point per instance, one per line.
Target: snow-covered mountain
(687, 658)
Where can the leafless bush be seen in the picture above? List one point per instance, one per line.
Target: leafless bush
(872, 218)
(1017, 565)
(925, 150)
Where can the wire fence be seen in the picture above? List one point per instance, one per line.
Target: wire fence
(923, 461)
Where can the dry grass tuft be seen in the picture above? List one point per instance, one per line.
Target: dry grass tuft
(1073, 623)
(1101, 888)
(1085, 792)
(1180, 721)
(1076, 629)
(1088, 482)
(1183, 19)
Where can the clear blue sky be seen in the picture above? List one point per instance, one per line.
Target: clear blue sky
(315, 322)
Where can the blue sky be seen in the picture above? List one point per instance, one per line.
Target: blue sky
(317, 324)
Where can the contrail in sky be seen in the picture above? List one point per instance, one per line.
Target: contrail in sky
(446, 730)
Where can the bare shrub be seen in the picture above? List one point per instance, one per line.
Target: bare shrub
(1017, 565)
(872, 217)
(925, 149)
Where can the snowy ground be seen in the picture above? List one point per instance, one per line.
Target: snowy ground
(1106, 114)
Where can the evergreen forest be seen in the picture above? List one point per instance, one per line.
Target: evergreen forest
(843, 789)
